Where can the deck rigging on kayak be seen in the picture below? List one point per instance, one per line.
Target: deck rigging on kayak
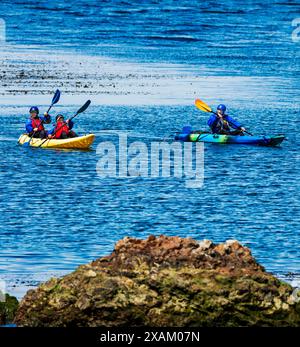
(221, 133)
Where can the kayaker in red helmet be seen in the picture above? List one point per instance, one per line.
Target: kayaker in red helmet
(35, 124)
(221, 123)
(62, 129)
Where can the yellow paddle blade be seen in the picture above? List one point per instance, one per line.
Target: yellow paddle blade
(202, 106)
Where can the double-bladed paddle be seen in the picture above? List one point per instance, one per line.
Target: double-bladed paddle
(55, 100)
(82, 109)
(204, 107)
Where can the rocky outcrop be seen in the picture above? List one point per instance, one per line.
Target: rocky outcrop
(164, 281)
(8, 308)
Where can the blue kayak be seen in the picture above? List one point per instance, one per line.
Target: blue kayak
(229, 139)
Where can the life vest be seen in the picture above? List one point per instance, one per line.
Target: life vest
(61, 127)
(223, 124)
(37, 123)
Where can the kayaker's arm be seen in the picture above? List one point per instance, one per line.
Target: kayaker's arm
(70, 124)
(233, 123)
(28, 126)
(46, 118)
(50, 132)
(212, 122)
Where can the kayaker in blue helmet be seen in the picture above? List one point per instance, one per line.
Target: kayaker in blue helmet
(221, 123)
(35, 124)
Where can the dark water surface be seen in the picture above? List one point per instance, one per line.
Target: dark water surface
(56, 213)
(236, 37)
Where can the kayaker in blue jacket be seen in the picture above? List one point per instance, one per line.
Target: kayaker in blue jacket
(35, 124)
(222, 124)
(62, 129)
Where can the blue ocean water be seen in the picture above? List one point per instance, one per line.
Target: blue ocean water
(56, 213)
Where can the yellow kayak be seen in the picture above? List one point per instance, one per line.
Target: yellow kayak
(81, 142)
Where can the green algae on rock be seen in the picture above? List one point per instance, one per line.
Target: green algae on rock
(164, 281)
(8, 308)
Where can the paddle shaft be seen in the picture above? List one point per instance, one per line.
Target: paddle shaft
(245, 131)
(82, 109)
(43, 120)
(204, 107)
(41, 124)
(55, 100)
(64, 123)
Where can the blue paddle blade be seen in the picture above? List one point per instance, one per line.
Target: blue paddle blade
(56, 97)
(186, 129)
(84, 107)
(27, 144)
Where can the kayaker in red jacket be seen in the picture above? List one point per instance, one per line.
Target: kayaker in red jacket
(222, 124)
(35, 124)
(62, 129)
